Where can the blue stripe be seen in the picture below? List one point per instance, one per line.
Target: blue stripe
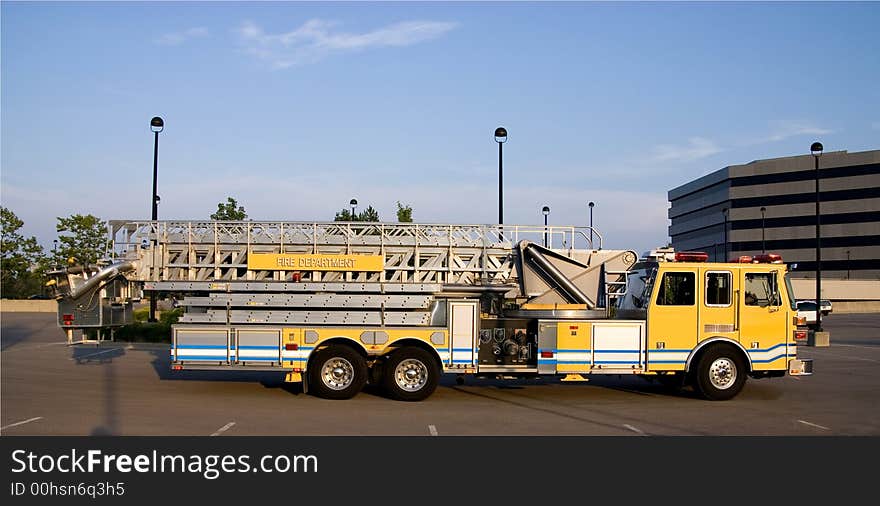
(462, 361)
(758, 350)
(245, 359)
(574, 351)
(201, 347)
(571, 361)
(258, 347)
(547, 361)
(291, 359)
(462, 349)
(616, 362)
(442, 349)
(777, 357)
(667, 361)
(669, 351)
(617, 351)
(202, 357)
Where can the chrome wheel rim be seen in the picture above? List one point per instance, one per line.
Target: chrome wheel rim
(337, 373)
(411, 375)
(722, 373)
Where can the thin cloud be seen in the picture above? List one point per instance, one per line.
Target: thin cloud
(177, 38)
(316, 40)
(781, 130)
(695, 149)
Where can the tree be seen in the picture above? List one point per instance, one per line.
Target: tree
(85, 240)
(230, 211)
(21, 263)
(368, 215)
(404, 213)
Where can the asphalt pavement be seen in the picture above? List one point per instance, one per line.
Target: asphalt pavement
(49, 388)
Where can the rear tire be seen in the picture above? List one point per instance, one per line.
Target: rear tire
(721, 373)
(411, 374)
(337, 372)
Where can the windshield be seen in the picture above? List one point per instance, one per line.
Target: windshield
(790, 291)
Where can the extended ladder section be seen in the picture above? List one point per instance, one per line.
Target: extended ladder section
(339, 273)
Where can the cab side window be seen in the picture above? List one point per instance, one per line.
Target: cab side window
(677, 289)
(757, 289)
(718, 288)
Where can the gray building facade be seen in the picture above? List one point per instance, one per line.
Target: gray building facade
(721, 213)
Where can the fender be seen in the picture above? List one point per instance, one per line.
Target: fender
(695, 351)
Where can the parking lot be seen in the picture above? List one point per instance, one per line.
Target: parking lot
(49, 388)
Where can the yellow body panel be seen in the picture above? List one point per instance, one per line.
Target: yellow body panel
(573, 343)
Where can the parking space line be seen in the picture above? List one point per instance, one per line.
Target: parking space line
(29, 420)
(432, 430)
(223, 429)
(814, 425)
(634, 429)
(93, 354)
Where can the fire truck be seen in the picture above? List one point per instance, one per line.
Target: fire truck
(338, 305)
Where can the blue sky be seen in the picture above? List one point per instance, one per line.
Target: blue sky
(295, 108)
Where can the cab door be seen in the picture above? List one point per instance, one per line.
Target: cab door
(672, 316)
(762, 318)
(718, 305)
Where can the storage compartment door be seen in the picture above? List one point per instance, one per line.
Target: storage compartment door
(463, 329)
(201, 345)
(618, 345)
(260, 347)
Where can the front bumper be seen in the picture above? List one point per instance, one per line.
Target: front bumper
(800, 367)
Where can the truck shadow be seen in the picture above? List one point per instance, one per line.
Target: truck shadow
(161, 363)
(85, 355)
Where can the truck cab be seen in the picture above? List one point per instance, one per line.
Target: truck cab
(713, 324)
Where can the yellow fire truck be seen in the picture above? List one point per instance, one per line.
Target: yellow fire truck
(338, 305)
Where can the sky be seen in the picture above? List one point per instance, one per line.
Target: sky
(294, 108)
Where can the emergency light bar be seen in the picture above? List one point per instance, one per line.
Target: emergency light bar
(691, 256)
(769, 258)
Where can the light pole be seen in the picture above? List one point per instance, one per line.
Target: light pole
(353, 205)
(816, 150)
(591, 204)
(724, 212)
(500, 138)
(55, 250)
(156, 125)
(763, 247)
(545, 211)
(847, 264)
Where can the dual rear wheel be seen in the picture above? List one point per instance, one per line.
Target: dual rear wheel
(340, 372)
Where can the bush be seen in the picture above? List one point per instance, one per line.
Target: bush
(150, 332)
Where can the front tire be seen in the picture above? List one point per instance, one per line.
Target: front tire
(411, 374)
(721, 373)
(337, 372)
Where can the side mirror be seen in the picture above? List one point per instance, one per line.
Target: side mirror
(775, 300)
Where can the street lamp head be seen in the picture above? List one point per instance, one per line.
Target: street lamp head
(353, 202)
(157, 199)
(591, 204)
(545, 211)
(816, 149)
(156, 124)
(500, 135)
(763, 210)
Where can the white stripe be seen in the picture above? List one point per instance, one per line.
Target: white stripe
(35, 347)
(813, 425)
(223, 429)
(257, 353)
(637, 431)
(29, 420)
(574, 355)
(432, 430)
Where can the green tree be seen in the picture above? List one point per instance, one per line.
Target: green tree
(22, 260)
(230, 211)
(368, 215)
(85, 238)
(404, 213)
